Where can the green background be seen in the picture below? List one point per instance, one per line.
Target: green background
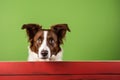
(94, 24)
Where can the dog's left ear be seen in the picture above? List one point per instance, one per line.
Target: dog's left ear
(31, 29)
(60, 30)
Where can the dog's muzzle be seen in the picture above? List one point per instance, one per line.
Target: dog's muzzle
(44, 54)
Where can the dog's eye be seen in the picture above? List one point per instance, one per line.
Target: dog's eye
(51, 41)
(39, 40)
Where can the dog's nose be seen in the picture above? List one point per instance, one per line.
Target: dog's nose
(44, 53)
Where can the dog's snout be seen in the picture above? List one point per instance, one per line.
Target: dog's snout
(44, 53)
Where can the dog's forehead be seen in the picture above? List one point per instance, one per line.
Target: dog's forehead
(49, 33)
(41, 32)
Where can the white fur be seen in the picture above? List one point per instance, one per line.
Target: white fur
(44, 46)
(32, 56)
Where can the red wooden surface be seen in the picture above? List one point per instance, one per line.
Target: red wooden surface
(60, 70)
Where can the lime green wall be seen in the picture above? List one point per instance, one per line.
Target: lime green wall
(95, 26)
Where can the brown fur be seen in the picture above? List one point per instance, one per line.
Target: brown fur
(54, 38)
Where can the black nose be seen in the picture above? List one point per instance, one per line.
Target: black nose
(44, 53)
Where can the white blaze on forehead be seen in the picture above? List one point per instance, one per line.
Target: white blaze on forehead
(44, 45)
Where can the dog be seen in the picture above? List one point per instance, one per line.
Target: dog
(45, 43)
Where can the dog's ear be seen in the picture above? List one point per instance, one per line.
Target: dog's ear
(31, 29)
(60, 30)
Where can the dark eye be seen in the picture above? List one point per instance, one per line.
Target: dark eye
(51, 41)
(39, 40)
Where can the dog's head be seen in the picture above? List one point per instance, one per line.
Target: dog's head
(46, 42)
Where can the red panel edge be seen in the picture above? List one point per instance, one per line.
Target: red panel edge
(60, 70)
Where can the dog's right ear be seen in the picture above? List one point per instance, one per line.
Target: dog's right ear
(31, 30)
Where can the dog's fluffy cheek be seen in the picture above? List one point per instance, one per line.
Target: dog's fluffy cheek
(52, 58)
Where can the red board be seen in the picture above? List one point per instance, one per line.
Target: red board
(60, 70)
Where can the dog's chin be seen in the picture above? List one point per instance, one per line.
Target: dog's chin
(52, 58)
(43, 59)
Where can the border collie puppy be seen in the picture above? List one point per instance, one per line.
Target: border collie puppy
(45, 43)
